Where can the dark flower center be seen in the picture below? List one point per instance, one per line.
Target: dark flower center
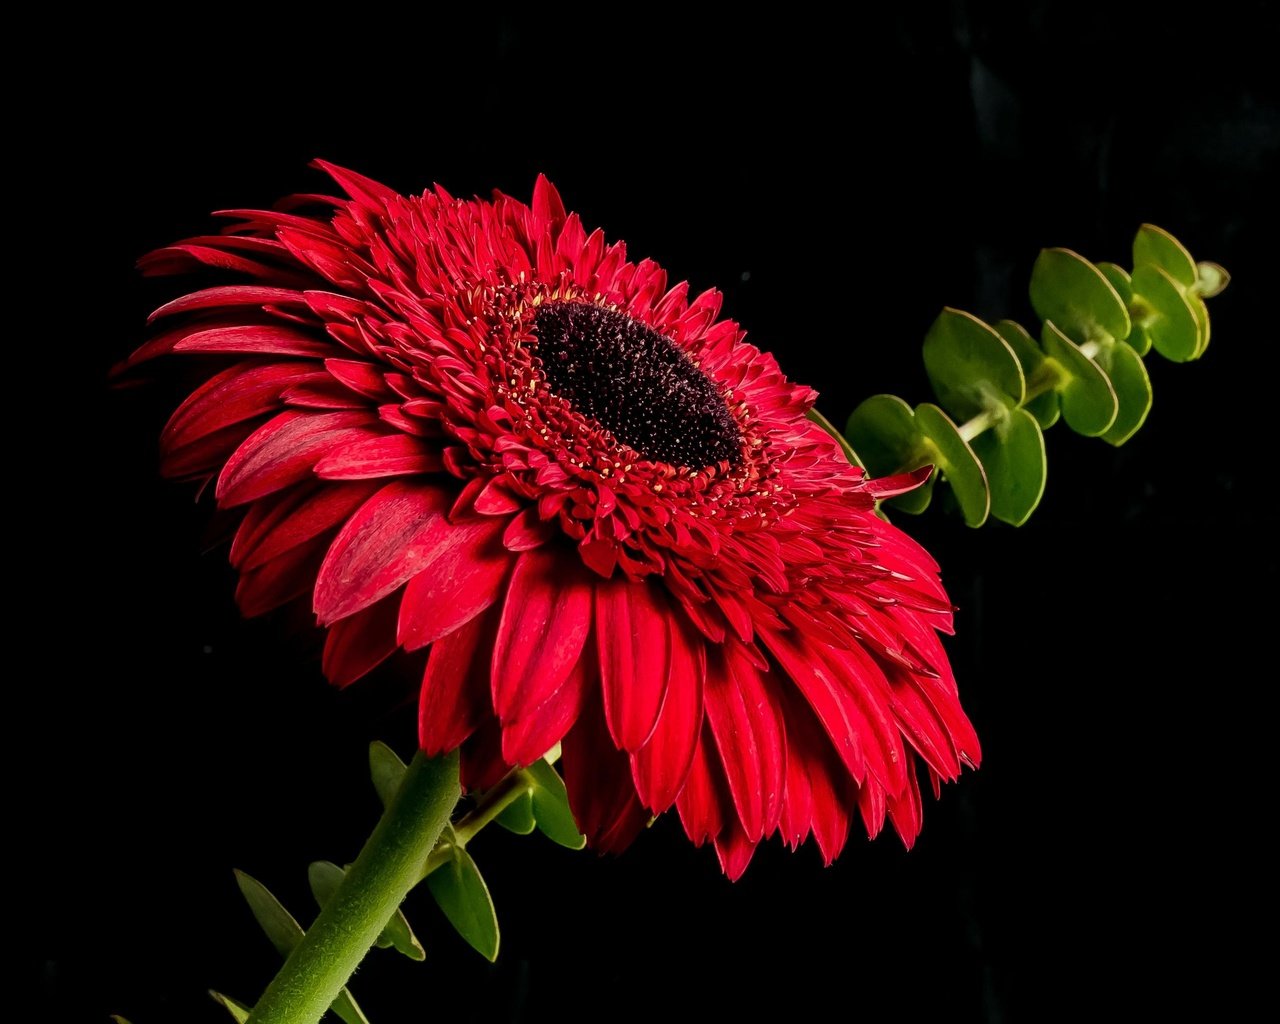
(635, 383)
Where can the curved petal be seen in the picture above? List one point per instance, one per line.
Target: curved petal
(460, 577)
(662, 764)
(634, 647)
(545, 620)
(385, 543)
(455, 686)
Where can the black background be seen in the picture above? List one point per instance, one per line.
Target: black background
(840, 181)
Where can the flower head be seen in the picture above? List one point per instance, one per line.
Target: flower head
(479, 428)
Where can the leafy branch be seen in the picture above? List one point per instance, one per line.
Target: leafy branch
(998, 388)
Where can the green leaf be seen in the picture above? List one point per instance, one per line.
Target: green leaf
(1171, 322)
(551, 807)
(1089, 402)
(970, 366)
(1211, 279)
(1118, 278)
(1153, 246)
(279, 925)
(829, 427)
(324, 877)
(386, 769)
(462, 895)
(1044, 406)
(884, 430)
(1129, 377)
(957, 461)
(238, 1010)
(517, 816)
(1069, 290)
(1012, 453)
(284, 932)
(121, 1020)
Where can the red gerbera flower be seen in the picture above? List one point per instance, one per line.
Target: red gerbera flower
(476, 426)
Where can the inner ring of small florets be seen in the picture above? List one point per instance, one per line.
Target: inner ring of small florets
(636, 383)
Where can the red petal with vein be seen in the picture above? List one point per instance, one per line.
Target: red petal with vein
(393, 455)
(702, 802)
(230, 295)
(385, 543)
(256, 339)
(545, 620)
(359, 644)
(529, 738)
(748, 735)
(461, 576)
(634, 648)
(455, 686)
(283, 451)
(239, 393)
(662, 764)
(276, 524)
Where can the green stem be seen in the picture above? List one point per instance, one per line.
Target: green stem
(392, 862)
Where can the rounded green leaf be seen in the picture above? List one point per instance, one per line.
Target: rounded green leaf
(1129, 377)
(551, 807)
(517, 816)
(1118, 278)
(970, 366)
(1088, 400)
(1044, 406)
(461, 893)
(1012, 453)
(956, 459)
(1171, 322)
(883, 431)
(1069, 290)
(1153, 246)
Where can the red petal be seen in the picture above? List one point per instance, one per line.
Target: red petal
(283, 451)
(229, 295)
(257, 339)
(702, 802)
(601, 796)
(634, 647)
(357, 645)
(460, 577)
(734, 850)
(238, 393)
(385, 543)
(280, 580)
(455, 686)
(661, 765)
(529, 738)
(858, 727)
(906, 812)
(747, 733)
(393, 455)
(527, 531)
(482, 766)
(275, 524)
(545, 620)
